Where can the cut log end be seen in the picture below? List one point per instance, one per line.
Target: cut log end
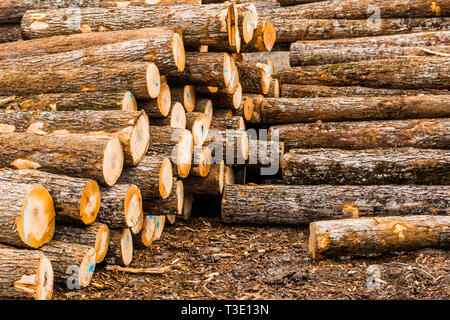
(153, 80)
(87, 267)
(200, 129)
(184, 153)
(237, 97)
(44, 284)
(101, 243)
(271, 64)
(248, 108)
(178, 51)
(204, 161)
(133, 208)
(113, 159)
(180, 196)
(126, 247)
(148, 230)
(140, 138)
(244, 142)
(248, 26)
(178, 116)
(90, 202)
(129, 102)
(234, 81)
(160, 222)
(165, 178)
(164, 100)
(221, 176)
(266, 77)
(269, 35)
(189, 98)
(313, 241)
(36, 224)
(227, 69)
(171, 218)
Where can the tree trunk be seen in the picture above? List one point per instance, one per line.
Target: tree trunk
(94, 157)
(314, 91)
(223, 123)
(121, 206)
(131, 128)
(212, 184)
(299, 205)
(173, 205)
(231, 145)
(385, 166)
(254, 77)
(76, 200)
(120, 251)
(153, 175)
(208, 26)
(185, 95)
(293, 110)
(396, 73)
(177, 118)
(222, 99)
(263, 38)
(24, 76)
(27, 215)
(382, 235)
(201, 159)
(303, 53)
(159, 107)
(95, 235)
(426, 133)
(118, 100)
(73, 264)
(145, 238)
(10, 32)
(25, 274)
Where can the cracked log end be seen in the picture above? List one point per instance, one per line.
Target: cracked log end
(180, 196)
(178, 51)
(126, 247)
(133, 208)
(160, 222)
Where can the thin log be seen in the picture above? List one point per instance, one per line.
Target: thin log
(120, 249)
(173, 205)
(212, 184)
(185, 95)
(159, 107)
(222, 99)
(254, 77)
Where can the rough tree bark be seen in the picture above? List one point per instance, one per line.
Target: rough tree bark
(120, 249)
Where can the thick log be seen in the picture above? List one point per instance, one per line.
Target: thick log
(293, 110)
(65, 256)
(315, 91)
(118, 100)
(266, 155)
(176, 119)
(145, 238)
(223, 123)
(212, 184)
(222, 99)
(303, 53)
(381, 235)
(231, 145)
(247, 21)
(208, 26)
(432, 133)
(95, 235)
(176, 143)
(263, 38)
(290, 29)
(94, 157)
(131, 128)
(120, 251)
(76, 200)
(25, 274)
(121, 206)
(159, 107)
(254, 77)
(153, 175)
(385, 166)
(299, 205)
(27, 215)
(201, 160)
(251, 110)
(10, 33)
(396, 73)
(185, 95)
(173, 205)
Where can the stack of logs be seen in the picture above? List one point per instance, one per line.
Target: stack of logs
(364, 115)
(107, 127)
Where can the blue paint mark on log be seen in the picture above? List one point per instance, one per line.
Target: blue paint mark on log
(25, 221)
(91, 269)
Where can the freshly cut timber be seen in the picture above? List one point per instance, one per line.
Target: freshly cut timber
(160, 106)
(160, 223)
(10, 33)
(201, 159)
(121, 206)
(205, 106)
(187, 207)
(212, 184)
(316, 91)
(303, 53)
(222, 98)
(395, 73)
(95, 235)
(254, 77)
(291, 29)
(25, 274)
(120, 251)
(265, 154)
(232, 145)
(177, 118)
(207, 69)
(224, 122)
(27, 215)
(76, 200)
(247, 20)
(153, 175)
(145, 238)
(258, 57)
(421, 133)
(131, 128)
(24, 76)
(173, 142)
(173, 205)
(250, 109)
(263, 38)
(292, 110)
(374, 166)
(274, 89)
(185, 95)
(199, 124)
(380, 235)
(299, 205)
(207, 26)
(95, 157)
(73, 264)
(96, 100)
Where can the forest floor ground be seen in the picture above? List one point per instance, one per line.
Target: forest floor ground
(212, 260)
